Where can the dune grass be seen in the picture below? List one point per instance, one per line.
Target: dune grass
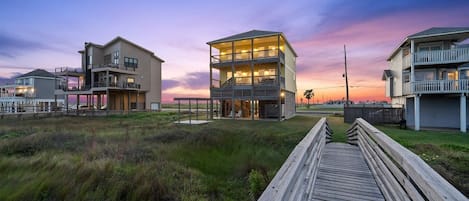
(142, 156)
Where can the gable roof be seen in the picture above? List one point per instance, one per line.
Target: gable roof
(431, 32)
(119, 38)
(252, 34)
(386, 74)
(249, 34)
(435, 31)
(37, 73)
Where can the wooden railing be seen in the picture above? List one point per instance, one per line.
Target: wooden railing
(400, 174)
(246, 56)
(454, 55)
(295, 179)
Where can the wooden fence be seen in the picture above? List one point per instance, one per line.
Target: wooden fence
(295, 179)
(374, 115)
(400, 174)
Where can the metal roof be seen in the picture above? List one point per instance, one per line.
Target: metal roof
(245, 35)
(438, 31)
(37, 73)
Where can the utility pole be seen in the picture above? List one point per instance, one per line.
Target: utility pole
(346, 78)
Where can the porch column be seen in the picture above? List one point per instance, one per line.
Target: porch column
(417, 112)
(251, 108)
(50, 106)
(412, 67)
(211, 84)
(279, 81)
(233, 81)
(462, 113)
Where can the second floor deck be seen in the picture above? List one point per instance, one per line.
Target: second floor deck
(256, 55)
(434, 57)
(436, 87)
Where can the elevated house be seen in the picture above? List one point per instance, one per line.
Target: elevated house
(117, 76)
(429, 76)
(253, 76)
(30, 92)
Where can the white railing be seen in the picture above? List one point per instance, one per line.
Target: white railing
(295, 179)
(442, 56)
(439, 86)
(399, 173)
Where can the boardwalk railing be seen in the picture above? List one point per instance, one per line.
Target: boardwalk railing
(400, 174)
(295, 179)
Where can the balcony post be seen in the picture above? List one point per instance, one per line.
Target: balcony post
(412, 67)
(462, 113)
(417, 112)
(278, 80)
(252, 80)
(233, 81)
(211, 84)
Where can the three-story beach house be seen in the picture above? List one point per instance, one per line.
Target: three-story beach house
(253, 76)
(30, 92)
(429, 75)
(117, 76)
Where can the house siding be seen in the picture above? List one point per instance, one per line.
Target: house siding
(435, 112)
(44, 88)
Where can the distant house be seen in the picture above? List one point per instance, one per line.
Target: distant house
(253, 75)
(30, 92)
(429, 75)
(119, 76)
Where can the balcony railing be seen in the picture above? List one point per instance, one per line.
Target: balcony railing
(122, 85)
(454, 55)
(246, 56)
(436, 87)
(267, 80)
(116, 66)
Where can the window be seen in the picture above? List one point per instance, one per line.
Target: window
(464, 74)
(107, 59)
(130, 80)
(115, 57)
(424, 75)
(130, 62)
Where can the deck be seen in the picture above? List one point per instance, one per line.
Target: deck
(344, 175)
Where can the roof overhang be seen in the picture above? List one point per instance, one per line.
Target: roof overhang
(456, 36)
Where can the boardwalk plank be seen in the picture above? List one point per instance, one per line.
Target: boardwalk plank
(344, 175)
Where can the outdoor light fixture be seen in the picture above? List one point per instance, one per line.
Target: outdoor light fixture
(282, 94)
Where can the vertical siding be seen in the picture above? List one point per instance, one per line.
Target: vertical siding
(290, 62)
(44, 88)
(395, 65)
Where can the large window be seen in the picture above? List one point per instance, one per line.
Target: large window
(107, 59)
(424, 75)
(115, 57)
(130, 62)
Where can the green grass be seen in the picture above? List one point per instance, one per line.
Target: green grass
(319, 108)
(338, 128)
(142, 156)
(445, 151)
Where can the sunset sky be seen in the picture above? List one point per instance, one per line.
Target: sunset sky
(48, 34)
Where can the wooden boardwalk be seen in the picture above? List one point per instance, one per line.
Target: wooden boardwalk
(344, 175)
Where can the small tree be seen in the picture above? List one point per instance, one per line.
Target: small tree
(308, 95)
